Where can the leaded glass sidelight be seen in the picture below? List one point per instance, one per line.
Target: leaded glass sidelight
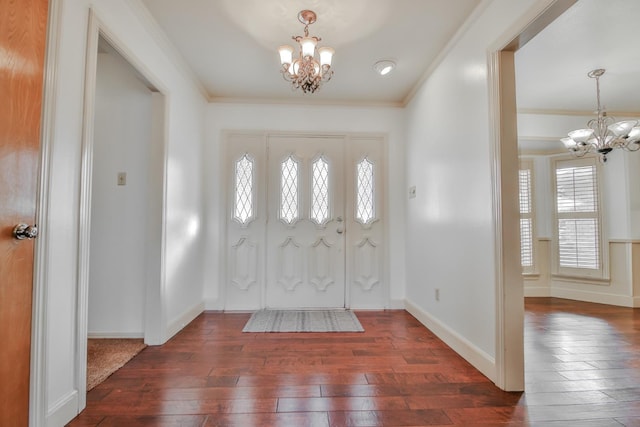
(243, 202)
(365, 206)
(289, 190)
(320, 191)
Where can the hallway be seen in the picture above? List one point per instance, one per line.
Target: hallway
(581, 358)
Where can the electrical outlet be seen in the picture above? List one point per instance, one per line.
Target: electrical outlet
(437, 294)
(412, 192)
(122, 178)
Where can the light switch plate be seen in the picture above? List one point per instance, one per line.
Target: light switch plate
(412, 192)
(122, 178)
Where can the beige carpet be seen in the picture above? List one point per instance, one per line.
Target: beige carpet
(105, 356)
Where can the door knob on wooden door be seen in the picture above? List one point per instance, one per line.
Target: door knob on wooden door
(25, 231)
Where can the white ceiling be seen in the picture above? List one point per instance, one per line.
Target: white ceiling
(551, 70)
(231, 46)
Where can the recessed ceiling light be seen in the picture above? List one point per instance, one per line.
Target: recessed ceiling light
(384, 67)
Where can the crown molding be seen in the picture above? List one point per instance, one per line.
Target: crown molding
(305, 101)
(471, 19)
(552, 112)
(167, 47)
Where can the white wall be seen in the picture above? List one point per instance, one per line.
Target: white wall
(633, 165)
(183, 189)
(122, 138)
(450, 225)
(303, 118)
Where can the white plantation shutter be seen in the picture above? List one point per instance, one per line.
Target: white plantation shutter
(526, 219)
(577, 209)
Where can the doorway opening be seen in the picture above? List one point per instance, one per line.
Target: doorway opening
(121, 261)
(125, 214)
(503, 110)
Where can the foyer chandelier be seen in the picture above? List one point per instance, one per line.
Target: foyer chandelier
(602, 134)
(306, 72)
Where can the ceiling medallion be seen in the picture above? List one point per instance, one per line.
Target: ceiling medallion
(306, 72)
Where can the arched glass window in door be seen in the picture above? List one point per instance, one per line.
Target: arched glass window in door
(365, 202)
(320, 191)
(243, 200)
(289, 190)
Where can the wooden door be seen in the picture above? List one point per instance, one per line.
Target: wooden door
(22, 47)
(306, 228)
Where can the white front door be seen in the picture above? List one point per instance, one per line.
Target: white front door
(305, 221)
(305, 231)
(246, 221)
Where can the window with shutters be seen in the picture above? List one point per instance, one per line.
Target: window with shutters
(527, 239)
(578, 228)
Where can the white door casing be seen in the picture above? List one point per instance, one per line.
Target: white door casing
(305, 221)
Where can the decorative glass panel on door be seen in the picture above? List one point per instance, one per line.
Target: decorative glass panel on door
(243, 201)
(289, 190)
(365, 203)
(320, 191)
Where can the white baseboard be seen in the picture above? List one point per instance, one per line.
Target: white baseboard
(396, 304)
(597, 297)
(537, 291)
(63, 411)
(471, 353)
(119, 335)
(187, 317)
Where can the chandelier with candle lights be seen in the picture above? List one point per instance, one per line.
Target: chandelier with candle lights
(602, 134)
(306, 72)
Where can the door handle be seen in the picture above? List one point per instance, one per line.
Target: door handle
(340, 230)
(24, 231)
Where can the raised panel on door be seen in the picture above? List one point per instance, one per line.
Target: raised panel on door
(305, 231)
(246, 219)
(367, 286)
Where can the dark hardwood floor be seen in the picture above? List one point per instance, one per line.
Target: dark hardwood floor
(582, 364)
(583, 369)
